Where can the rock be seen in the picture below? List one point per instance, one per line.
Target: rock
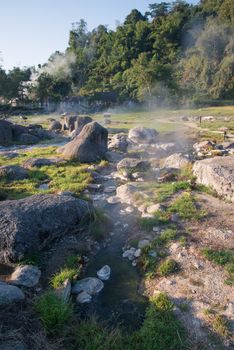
(109, 189)
(64, 292)
(130, 165)
(26, 276)
(9, 294)
(204, 146)
(12, 345)
(162, 150)
(6, 134)
(152, 253)
(79, 124)
(89, 146)
(13, 172)
(30, 223)
(217, 173)
(28, 139)
(70, 122)
(154, 208)
(104, 273)
(129, 253)
(95, 187)
(137, 253)
(43, 187)
(142, 135)
(143, 243)
(9, 155)
(83, 297)
(90, 285)
(55, 125)
(118, 142)
(176, 161)
(113, 200)
(126, 193)
(37, 163)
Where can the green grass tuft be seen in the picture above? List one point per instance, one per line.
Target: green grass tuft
(53, 311)
(167, 267)
(186, 208)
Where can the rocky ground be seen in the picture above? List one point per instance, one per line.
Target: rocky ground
(166, 226)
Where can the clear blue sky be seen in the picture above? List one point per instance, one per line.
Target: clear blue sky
(30, 30)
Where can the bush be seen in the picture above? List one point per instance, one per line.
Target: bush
(53, 312)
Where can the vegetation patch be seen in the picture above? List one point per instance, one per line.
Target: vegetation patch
(53, 312)
(224, 258)
(70, 271)
(186, 208)
(99, 224)
(167, 267)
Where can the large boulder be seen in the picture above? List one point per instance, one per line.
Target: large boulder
(9, 294)
(217, 173)
(176, 161)
(142, 135)
(37, 163)
(5, 132)
(70, 122)
(28, 139)
(79, 124)
(55, 125)
(31, 223)
(89, 146)
(13, 172)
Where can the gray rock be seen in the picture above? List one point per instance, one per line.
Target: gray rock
(104, 273)
(6, 134)
(30, 223)
(13, 172)
(176, 161)
(204, 146)
(79, 124)
(90, 285)
(83, 298)
(113, 200)
(9, 294)
(28, 139)
(143, 135)
(25, 275)
(137, 253)
(129, 253)
(154, 208)
(89, 146)
(12, 345)
(127, 192)
(64, 292)
(143, 243)
(55, 125)
(217, 173)
(130, 165)
(118, 142)
(37, 163)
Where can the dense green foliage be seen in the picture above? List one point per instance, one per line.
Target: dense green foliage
(173, 53)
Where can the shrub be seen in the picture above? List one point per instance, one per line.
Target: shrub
(53, 312)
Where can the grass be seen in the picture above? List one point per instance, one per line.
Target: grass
(54, 313)
(167, 267)
(224, 258)
(159, 331)
(70, 271)
(160, 218)
(99, 224)
(152, 265)
(218, 323)
(186, 208)
(71, 176)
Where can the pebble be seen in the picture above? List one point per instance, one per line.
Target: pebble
(143, 243)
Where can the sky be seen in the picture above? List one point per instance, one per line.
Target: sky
(31, 30)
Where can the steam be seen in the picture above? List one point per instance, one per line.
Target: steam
(59, 66)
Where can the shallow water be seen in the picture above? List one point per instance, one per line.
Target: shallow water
(120, 302)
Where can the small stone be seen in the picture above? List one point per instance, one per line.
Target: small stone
(95, 187)
(83, 297)
(125, 226)
(147, 215)
(137, 253)
(175, 218)
(152, 253)
(109, 189)
(143, 243)
(43, 187)
(104, 273)
(154, 208)
(90, 285)
(129, 210)
(113, 200)
(156, 229)
(134, 263)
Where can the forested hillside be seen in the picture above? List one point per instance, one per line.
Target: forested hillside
(174, 53)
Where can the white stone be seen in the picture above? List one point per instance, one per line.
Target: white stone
(83, 297)
(90, 285)
(104, 273)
